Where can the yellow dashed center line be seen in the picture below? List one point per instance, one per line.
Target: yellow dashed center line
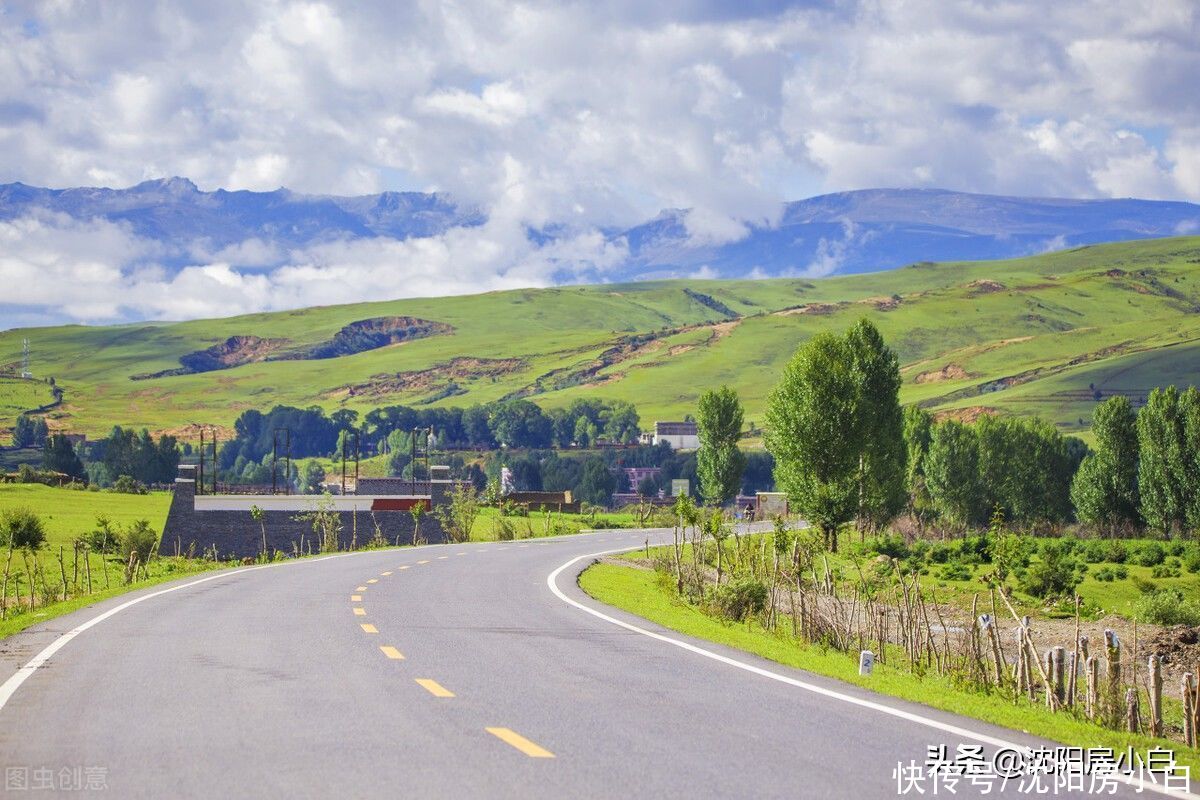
(426, 561)
(373, 580)
(369, 628)
(360, 612)
(434, 688)
(406, 566)
(356, 598)
(385, 574)
(392, 652)
(361, 589)
(520, 742)
(442, 558)
(461, 554)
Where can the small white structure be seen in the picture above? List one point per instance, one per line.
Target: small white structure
(679, 435)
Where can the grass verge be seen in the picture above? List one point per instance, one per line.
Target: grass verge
(637, 591)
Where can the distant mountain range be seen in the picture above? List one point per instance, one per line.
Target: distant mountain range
(847, 232)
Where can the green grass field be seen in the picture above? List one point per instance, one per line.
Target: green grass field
(1024, 336)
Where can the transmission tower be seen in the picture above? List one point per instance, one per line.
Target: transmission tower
(25, 373)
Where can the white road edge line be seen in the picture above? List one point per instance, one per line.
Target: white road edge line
(552, 582)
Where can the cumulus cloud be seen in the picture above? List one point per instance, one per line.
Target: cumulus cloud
(586, 116)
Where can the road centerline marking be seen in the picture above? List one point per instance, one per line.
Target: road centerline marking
(361, 589)
(373, 580)
(369, 628)
(434, 688)
(511, 737)
(385, 574)
(405, 566)
(360, 612)
(426, 561)
(392, 652)
(356, 598)
(441, 558)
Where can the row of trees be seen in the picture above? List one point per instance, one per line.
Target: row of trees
(845, 450)
(1146, 466)
(30, 431)
(513, 424)
(137, 456)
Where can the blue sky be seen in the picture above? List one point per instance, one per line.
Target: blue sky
(592, 115)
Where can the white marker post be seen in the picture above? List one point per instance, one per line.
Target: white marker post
(866, 662)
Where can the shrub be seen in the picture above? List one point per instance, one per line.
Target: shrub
(1167, 607)
(1010, 553)
(975, 549)
(1148, 554)
(127, 485)
(888, 545)
(1093, 551)
(741, 598)
(138, 538)
(1117, 552)
(956, 571)
(940, 552)
(1055, 574)
(1144, 585)
(1104, 575)
(1191, 559)
(104, 538)
(1164, 571)
(20, 527)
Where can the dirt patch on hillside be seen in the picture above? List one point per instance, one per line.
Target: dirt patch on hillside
(371, 334)
(984, 286)
(967, 415)
(950, 372)
(191, 432)
(233, 352)
(443, 377)
(808, 308)
(723, 329)
(880, 303)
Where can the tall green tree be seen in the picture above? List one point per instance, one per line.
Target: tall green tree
(30, 431)
(719, 461)
(1105, 489)
(952, 472)
(815, 432)
(918, 429)
(58, 454)
(882, 458)
(1167, 483)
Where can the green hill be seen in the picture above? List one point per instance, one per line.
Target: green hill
(1037, 335)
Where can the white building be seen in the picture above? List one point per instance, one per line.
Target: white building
(680, 435)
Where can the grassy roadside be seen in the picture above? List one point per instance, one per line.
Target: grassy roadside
(637, 591)
(168, 569)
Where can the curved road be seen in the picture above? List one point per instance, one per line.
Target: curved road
(443, 671)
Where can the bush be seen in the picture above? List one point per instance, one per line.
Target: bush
(104, 538)
(20, 527)
(891, 546)
(740, 599)
(975, 549)
(940, 552)
(956, 571)
(127, 485)
(1191, 559)
(138, 538)
(1110, 574)
(1164, 571)
(1148, 554)
(1167, 607)
(1117, 552)
(1055, 574)
(1093, 551)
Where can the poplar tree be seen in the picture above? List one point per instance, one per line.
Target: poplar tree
(719, 461)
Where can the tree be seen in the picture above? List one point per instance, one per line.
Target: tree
(918, 429)
(597, 483)
(520, 423)
(29, 431)
(313, 478)
(1105, 489)
(475, 428)
(815, 432)
(719, 461)
(20, 527)
(952, 472)
(58, 455)
(882, 460)
(1165, 486)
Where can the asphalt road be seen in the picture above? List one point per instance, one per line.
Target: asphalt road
(454, 671)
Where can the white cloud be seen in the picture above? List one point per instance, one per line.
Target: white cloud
(590, 115)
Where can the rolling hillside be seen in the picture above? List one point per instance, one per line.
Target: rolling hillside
(1036, 335)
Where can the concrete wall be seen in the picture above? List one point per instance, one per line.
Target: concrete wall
(230, 528)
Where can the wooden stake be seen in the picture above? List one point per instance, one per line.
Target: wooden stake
(1156, 681)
